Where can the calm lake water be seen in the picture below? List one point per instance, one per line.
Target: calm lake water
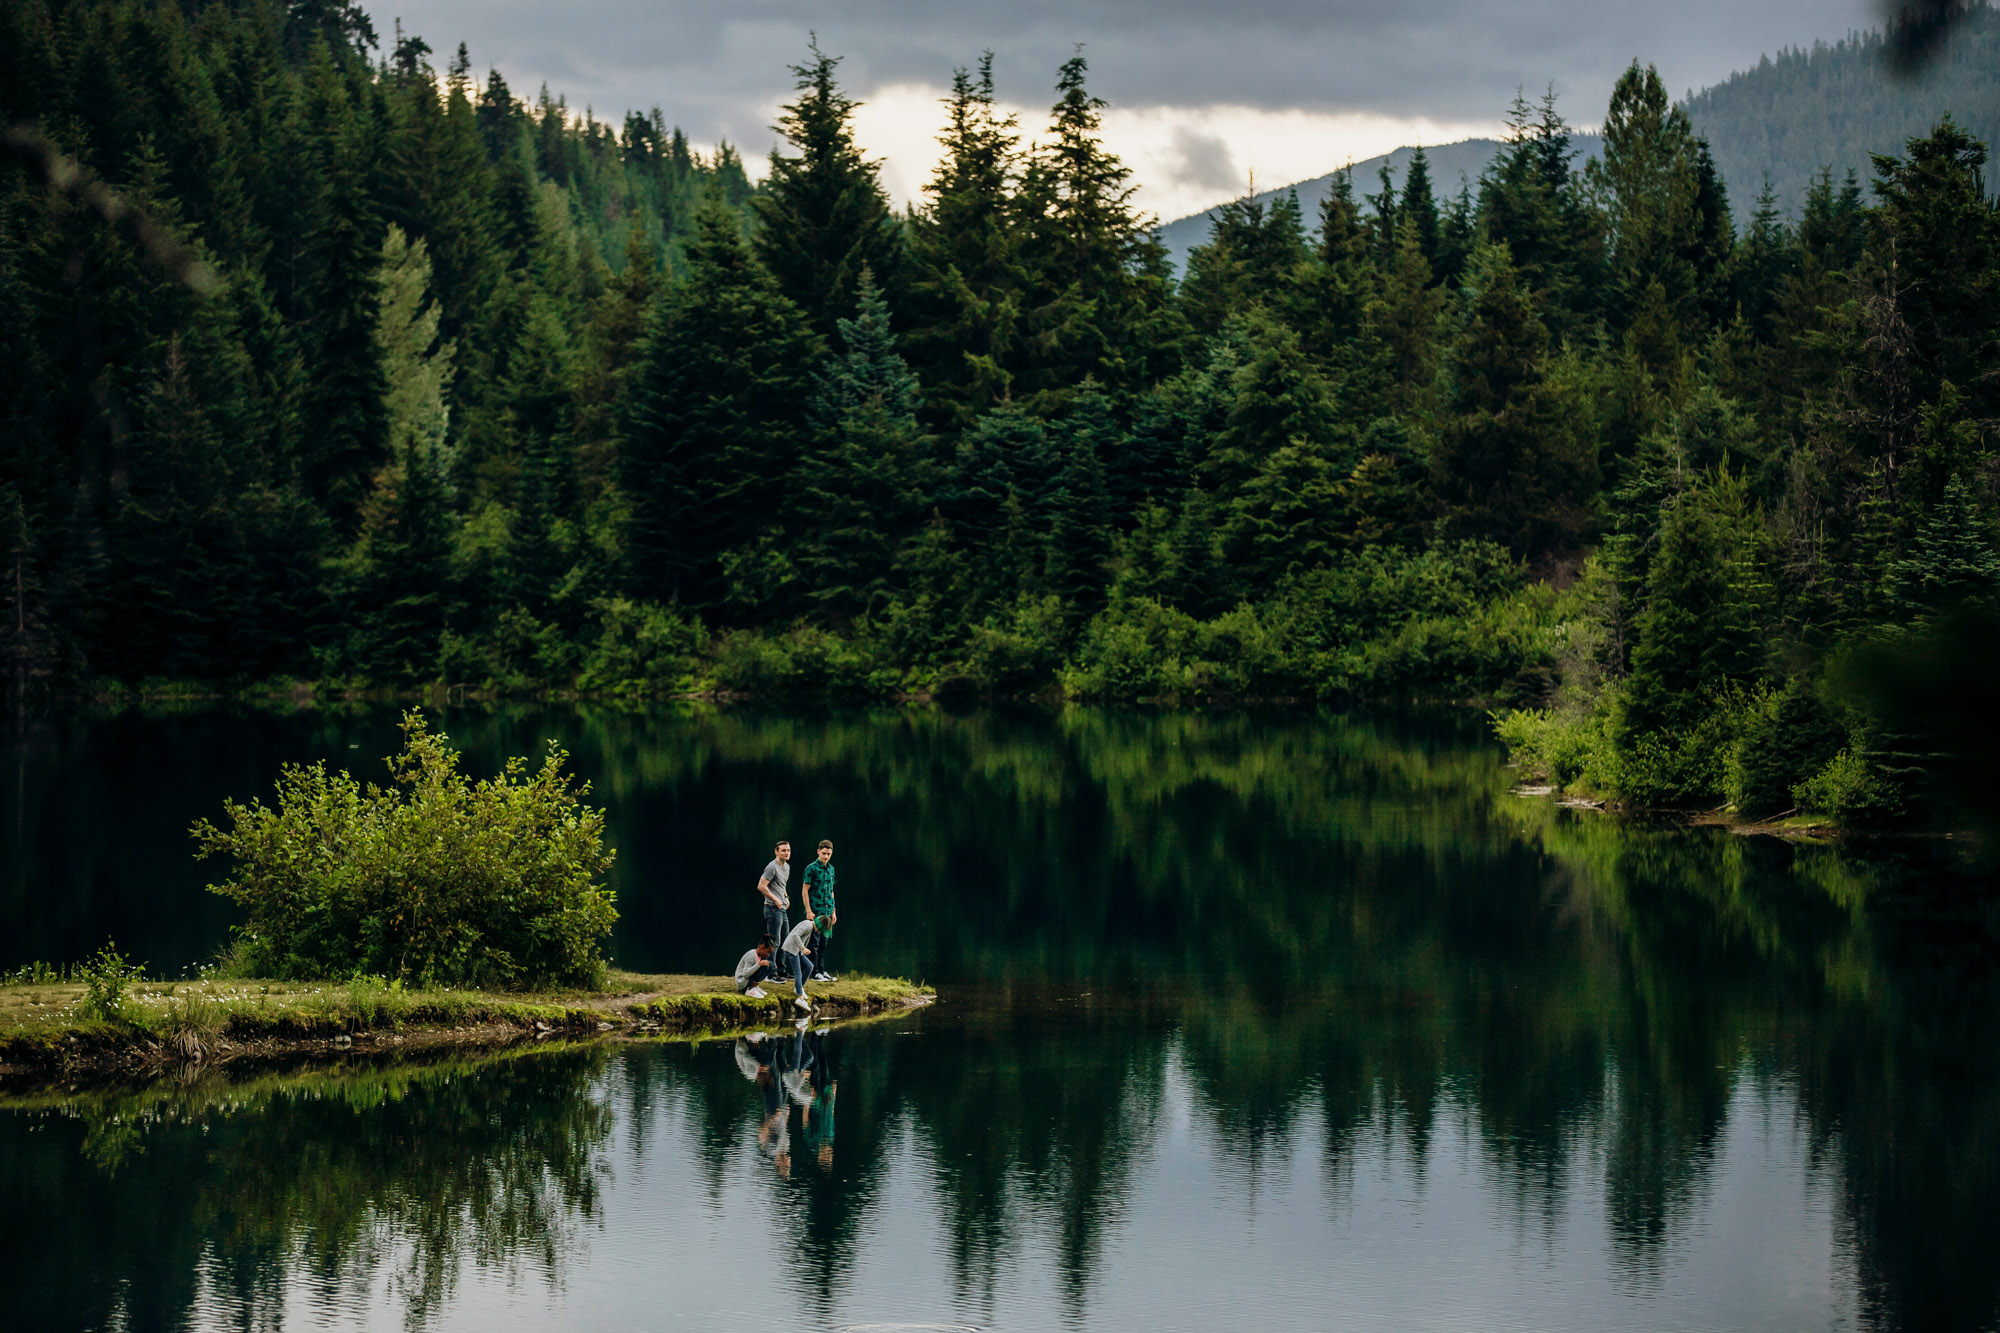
(1267, 1021)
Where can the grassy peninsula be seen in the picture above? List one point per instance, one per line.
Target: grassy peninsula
(47, 1024)
(435, 911)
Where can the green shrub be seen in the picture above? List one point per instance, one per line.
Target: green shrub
(1848, 789)
(1020, 650)
(1570, 753)
(1683, 765)
(802, 660)
(642, 648)
(105, 977)
(1137, 648)
(437, 879)
(1492, 648)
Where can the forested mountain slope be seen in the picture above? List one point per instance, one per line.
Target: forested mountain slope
(462, 391)
(1833, 105)
(1805, 109)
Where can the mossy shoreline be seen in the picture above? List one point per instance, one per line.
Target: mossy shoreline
(211, 1021)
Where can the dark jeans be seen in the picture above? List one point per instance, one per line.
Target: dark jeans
(799, 969)
(818, 944)
(762, 974)
(775, 924)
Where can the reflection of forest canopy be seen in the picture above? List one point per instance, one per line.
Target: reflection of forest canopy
(130, 1208)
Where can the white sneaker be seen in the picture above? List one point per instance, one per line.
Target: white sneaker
(755, 992)
(803, 1003)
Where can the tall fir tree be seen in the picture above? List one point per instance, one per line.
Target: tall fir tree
(857, 492)
(823, 216)
(1508, 464)
(719, 407)
(967, 278)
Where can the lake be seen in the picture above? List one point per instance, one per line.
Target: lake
(1277, 1020)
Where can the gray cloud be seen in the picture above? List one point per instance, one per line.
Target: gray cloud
(716, 69)
(1205, 160)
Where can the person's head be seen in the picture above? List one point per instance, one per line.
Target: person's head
(825, 851)
(765, 945)
(823, 925)
(782, 852)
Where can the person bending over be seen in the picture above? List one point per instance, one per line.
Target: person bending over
(797, 953)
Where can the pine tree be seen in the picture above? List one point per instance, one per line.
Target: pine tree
(1401, 320)
(1953, 559)
(823, 216)
(1530, 200)
(1255, 255)
(858, 491)
(719, 406)
(1277, 398)
(342, 248)
(1701, 625)
(1340, 285)
(967, 276)
(1507, 464)
(1098, 278)
(401, 588)
(1077, 506)
(416, 364)
(1419, 207)
(540, 406)
(1939, 231)
(1651, 176)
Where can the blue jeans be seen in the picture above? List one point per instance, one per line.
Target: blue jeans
(796, 964)
(775, 924)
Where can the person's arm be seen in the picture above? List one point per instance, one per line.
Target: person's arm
(806, 891)
(764, 891)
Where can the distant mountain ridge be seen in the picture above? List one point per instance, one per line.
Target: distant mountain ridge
(1449, 162)
(1830, 105)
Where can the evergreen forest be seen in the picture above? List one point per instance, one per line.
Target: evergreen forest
(321, 363)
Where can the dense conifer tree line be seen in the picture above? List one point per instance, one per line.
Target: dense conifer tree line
(476, 390)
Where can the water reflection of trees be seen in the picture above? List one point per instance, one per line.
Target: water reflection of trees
(126, 1210)
(1351, 928)
(1363, 919)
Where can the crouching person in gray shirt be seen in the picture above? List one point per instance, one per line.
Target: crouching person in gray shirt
(755, 966)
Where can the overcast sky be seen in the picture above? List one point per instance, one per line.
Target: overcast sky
(1202, 95)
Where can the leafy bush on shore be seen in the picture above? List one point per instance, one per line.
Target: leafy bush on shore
(105, 978)
(437, 879)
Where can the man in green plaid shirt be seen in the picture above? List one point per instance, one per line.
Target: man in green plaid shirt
(820, 902)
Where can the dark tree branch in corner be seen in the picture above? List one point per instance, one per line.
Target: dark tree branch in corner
(182, 262)
(1918, 30)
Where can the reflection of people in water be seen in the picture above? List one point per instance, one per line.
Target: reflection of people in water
(798, 1077)
(774, 1130)
(819, 1110)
